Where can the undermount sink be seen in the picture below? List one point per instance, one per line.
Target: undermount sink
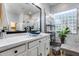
(27, 35)
(32, 34)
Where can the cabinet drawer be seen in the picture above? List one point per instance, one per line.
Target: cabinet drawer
(13, 51)
(33, 43)
(43, 39)
(22, 54)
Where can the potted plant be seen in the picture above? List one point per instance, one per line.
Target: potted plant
(63, 34)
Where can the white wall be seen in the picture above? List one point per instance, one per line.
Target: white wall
(72, 38)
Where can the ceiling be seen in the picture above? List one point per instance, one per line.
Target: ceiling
(25, 8)
(51, 4)
(21, 8)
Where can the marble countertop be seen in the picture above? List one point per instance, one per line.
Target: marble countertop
(73, 48)
(17, 39)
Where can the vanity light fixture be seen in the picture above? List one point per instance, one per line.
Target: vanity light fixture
(13, 26)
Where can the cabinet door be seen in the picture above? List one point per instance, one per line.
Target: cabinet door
(47, 47)
(33, 51)
(44, 47)
(41, 49)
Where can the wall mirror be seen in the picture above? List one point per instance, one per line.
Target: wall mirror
(19, 16)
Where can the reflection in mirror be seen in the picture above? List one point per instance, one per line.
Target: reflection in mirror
(0, 15)
(22, 17)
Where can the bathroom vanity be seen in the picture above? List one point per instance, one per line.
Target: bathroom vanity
(26, 18)
(25, 45)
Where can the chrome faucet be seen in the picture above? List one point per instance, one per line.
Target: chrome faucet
(29, 28)
(1, 35)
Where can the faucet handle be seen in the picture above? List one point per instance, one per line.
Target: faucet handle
(3, 31)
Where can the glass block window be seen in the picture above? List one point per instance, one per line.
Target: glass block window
(66, 18)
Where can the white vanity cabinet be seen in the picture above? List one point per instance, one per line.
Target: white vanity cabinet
(36, 46)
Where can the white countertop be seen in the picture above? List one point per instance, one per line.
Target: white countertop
(74, 48)
(17, 39)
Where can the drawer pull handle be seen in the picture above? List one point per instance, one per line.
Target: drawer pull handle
(40, 54)
(47, 48)
(39, 41)
(15, 51)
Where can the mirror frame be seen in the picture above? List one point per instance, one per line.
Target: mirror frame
(40, 15)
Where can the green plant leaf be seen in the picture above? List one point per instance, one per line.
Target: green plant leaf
(63, 33)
